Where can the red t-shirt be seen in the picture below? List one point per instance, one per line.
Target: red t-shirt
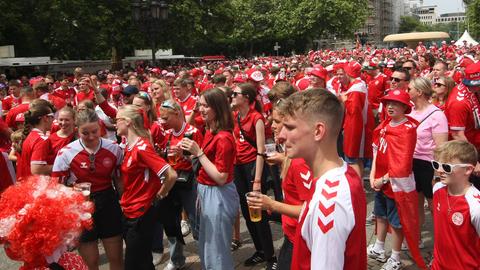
(141, 171)
(31, 153)
(66, 94)
(82, 96)
(73, 164)
(53, 144)
(5, 142)
(158, 135)
(297, 188)
(188, 104)
(220, 150)
(376, 89)
(460, 110)
(245, 151)
(456, 231)
(10, 101)
(12, 114)
(174, 138)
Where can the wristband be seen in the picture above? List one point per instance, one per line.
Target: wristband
(203, 153)
(262, 155)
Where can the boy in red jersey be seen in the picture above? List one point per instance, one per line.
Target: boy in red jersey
(331, 229)
(456, 208)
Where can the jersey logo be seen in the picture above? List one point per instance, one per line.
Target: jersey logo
(142, 147)
(477, 197)
(326, 205)
(107, 162)
(457, 218)
(306, 179)
(83, 165)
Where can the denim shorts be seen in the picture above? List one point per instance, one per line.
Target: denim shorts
(385, 208)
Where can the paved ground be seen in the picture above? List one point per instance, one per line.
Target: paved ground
(247, 248)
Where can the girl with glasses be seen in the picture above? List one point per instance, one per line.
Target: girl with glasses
(442, 88)
(95, 160)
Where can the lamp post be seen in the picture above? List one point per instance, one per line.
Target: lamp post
(147, 15)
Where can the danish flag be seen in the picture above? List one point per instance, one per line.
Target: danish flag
(326, 205)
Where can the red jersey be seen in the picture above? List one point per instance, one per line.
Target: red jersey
(463, 112)
(31, 154)
(73, 164)
(12, 114)
(220, 150)
(394, 145)
(66, 94)
(332, 224)
(358, 122)
(188, 104)
(174, 138)
(456, 229)
(53, 145)
(376, 89)
(302, 83)
(158, 135)
(245, 151)
(83, 95)
(297, 188)
(141, 171)
(10, 101)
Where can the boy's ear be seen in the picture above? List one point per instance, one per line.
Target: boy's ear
(320, 131)
(469, 170)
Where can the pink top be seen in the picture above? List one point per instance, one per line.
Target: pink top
(435, 123)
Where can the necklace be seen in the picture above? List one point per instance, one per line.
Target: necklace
(448, 202)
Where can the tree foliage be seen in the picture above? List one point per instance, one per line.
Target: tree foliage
(473, 17)
(93, 29)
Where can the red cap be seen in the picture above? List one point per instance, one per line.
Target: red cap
(465, 62)
(472, 75)
(20, 118)
(399, 96)
(156, 70)
(320, 72)
(238, 78)
(353, 69)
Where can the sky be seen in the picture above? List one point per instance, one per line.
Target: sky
(446, 6)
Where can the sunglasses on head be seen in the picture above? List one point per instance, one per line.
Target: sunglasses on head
(168, 105)
(448, 168)
(397, 79)
(143, 94)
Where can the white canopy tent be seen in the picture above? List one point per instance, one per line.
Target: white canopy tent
(466, 37)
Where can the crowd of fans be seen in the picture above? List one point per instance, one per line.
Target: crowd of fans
(180, 149)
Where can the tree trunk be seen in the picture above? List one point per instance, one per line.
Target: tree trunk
(116, 59)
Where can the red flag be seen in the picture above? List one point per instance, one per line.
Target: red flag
(397, 162)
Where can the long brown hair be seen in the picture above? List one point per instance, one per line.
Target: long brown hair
(217, 100)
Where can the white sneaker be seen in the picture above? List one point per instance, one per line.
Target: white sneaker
(157, 258)
(171, 266)
(185, 227)
(392, 264)
(378, 256)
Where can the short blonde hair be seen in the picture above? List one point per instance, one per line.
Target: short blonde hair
(423, 85)
(464, 151)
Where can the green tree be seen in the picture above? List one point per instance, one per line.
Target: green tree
(411, 24)
(473, 17)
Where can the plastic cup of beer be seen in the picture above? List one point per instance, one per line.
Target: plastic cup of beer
(255, 213)
(83, 188)
(270, 149)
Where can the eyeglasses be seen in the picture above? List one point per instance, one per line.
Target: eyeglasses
(293, 70)
(438, 84)
(50, 83)
(448, 168)
(91, 158)
(235, 94)
(394, 79)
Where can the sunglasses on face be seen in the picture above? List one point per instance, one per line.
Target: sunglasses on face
(438, 84)
(394, 79)
(408, 68)
(446, 167)
(91, 158)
